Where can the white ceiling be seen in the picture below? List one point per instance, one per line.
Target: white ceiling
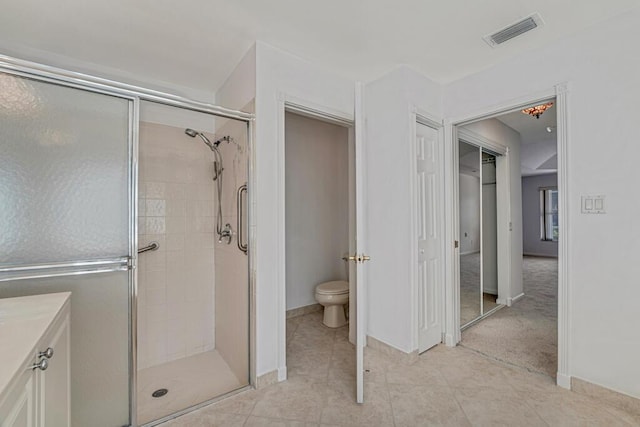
(538, 153)
(197, 43)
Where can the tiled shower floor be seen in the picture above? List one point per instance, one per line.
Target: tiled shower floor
(190, 381)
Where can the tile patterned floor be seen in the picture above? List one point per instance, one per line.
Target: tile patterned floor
(444, 387)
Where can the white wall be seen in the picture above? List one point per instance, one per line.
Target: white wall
(602, 69)
(240, 87)
(391, 288)
(317, 206)
(496, 131)
(280, 74)
(531, 243)
(469, 213)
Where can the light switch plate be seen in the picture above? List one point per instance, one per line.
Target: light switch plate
(593, 205)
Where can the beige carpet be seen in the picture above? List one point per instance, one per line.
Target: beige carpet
(526, 333)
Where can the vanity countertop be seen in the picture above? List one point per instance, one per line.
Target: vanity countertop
(23, 322)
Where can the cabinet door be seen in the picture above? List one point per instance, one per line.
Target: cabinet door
(53, 383)
(18, 410)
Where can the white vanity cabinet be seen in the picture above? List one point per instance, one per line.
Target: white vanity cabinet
(34, 361)
(19, 406)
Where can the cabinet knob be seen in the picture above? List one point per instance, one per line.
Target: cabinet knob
(42, 365)
(48, 353)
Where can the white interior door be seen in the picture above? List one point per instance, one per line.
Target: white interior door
(360, 244)
(429, 237)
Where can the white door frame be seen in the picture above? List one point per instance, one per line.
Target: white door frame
(289, 103)
(361, 241)
(420, 116)
(452, 325)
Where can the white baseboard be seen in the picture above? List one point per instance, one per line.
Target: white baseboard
(540, 255)
(449, 340)
(501, 301)
(268, 379)
(391, 351)
(305, 309)
(563, 380)
(470, 252)
(619, 399)
(282, 373)
(510, 301)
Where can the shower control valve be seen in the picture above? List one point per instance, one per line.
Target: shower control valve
(226, 233)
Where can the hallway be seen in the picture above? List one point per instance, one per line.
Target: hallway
(444, 386)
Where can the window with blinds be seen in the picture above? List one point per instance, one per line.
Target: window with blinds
(549, 230)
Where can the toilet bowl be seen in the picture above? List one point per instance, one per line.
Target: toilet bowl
(333, 296)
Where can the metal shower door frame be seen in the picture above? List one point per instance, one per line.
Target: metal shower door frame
(134, 94)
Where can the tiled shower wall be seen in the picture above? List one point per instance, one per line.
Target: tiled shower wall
(177, 209)
(232, 268)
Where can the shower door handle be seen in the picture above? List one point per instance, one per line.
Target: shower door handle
(240, 208)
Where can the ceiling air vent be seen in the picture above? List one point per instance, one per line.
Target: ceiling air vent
(514, 30)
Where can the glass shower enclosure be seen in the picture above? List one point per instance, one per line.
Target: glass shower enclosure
(66, 222)
(85, 184)
(193, 313)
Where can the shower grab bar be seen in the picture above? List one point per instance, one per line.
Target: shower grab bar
(242, 246)
(153, 246)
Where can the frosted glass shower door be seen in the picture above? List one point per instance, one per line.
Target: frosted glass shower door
(64, 173)
(65, 212)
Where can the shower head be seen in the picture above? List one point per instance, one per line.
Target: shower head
(193, 133)
(217, 164)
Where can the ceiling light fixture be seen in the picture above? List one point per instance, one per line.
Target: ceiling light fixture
(538, 109)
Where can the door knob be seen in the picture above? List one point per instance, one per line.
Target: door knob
(42, 365)
(48, 353)
(357, 258)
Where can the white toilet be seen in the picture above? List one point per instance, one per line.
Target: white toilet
(333, 296)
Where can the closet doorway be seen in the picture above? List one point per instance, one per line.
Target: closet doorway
(478, 219)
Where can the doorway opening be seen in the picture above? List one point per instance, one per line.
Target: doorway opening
(525, 332)
(319, 236)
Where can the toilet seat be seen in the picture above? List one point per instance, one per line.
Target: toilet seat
(338, 287)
